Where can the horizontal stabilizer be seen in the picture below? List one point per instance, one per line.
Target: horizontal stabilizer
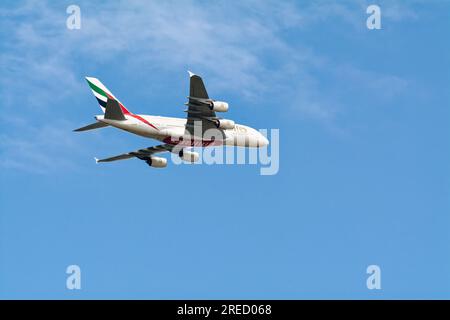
(113, 110)
(92, 126)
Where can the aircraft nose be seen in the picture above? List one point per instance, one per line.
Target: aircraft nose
(262, 141)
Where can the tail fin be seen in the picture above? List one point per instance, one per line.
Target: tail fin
(102, 94)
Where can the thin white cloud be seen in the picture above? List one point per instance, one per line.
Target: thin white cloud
(230, 43)
(240, 48)
(38, 149)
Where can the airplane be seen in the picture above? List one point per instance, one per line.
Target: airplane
(201, 127)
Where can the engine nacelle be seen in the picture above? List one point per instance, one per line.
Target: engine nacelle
(157, 162)
(189, 156)
(218, 106)
(225, 124)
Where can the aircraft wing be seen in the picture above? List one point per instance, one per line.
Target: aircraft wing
(143, 154)
(199, 105)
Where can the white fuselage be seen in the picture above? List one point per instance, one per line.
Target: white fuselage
(173, 131)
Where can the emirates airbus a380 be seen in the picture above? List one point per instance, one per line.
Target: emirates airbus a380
(201, 127)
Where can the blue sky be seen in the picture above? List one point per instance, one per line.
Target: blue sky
(363, 118)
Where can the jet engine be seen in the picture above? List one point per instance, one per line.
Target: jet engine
(218, 106)
(224, 124)
(189, 156)
(157, 162)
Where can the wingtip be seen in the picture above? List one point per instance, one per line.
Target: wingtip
(96, 160)
(191, 74)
